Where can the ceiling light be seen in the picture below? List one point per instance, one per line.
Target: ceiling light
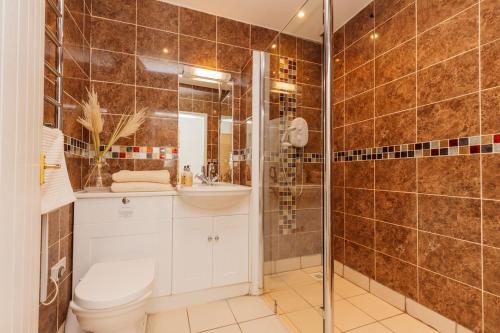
(165, 50)
(273, 46)
(301, 14)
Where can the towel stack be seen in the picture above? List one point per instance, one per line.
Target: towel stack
(141, 181)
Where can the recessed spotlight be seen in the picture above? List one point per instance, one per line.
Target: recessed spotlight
(273, 46)
(165, 50)
(301, 14)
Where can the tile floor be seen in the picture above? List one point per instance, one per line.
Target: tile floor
(297, 296)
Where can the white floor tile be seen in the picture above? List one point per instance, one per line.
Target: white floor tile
(347, 289)
(374, 306)
(372, 328)
(247, 308)
(209, 316)
(406, 324)
(313, 269)
(296, 277)
(347, 316)
(312, 293)
(264, 325)
(274, 282)
(288, 300)
(175, 321)
(227, 329)
(306, 321)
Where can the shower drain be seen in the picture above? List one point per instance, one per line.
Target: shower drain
(317, 276)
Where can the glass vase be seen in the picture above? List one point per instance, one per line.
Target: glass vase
(98, 178)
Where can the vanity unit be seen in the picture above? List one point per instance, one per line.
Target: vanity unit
(198, 237)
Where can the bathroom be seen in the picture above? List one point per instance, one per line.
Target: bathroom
(343, 166)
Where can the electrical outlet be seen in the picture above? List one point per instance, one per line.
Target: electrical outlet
(58, 270)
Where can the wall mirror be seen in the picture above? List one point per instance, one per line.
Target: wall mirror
(206, 121)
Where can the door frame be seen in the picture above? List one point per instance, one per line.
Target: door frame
(22, 26)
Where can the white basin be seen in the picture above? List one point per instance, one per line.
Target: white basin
(213, 197)
(215, 190)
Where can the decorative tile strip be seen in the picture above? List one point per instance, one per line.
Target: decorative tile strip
(296, 157)
(485, 144)
(141, 152)
(240, 155)
(76, 147)
(80, 148)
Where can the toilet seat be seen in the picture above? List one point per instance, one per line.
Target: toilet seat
(113, 284)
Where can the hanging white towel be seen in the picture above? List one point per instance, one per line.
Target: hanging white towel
(56, 191)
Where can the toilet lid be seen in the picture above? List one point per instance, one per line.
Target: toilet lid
(111, 284)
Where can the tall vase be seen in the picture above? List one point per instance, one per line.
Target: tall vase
(98, 179)
(98, 175)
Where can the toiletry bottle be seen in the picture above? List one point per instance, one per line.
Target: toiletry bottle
(183, 176)
(188, 178)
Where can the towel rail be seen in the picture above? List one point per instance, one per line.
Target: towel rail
(52, 69)
(57, 39)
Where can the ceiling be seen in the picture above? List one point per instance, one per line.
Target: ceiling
(278, 14)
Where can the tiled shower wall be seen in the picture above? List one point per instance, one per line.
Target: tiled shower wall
(422, 219)
(76, 78)
(293, 177)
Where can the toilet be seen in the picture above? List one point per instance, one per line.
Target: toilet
(111, 297)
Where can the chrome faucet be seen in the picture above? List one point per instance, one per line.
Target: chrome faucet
(210, 177)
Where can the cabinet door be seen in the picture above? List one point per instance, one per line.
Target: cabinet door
(192, 252)
(230, 250)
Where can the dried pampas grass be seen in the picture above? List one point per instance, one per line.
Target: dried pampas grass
(93, 121)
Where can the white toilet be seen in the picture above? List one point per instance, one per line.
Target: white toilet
(111, 297)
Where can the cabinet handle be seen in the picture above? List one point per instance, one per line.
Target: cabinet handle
(217, 238)
(125, 200)
(210, 238)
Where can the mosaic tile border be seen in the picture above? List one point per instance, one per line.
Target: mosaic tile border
(472, 145)
(142, 153)
(80, 148)
(308, 157)
(75, 147)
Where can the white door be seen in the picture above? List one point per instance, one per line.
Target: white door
(21, 108)
(230, 250)
(192, 264)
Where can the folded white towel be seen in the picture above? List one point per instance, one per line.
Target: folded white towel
(57, 190)
(140, 187)
(126, 176)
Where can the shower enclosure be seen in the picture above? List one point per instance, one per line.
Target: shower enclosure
(288, 133)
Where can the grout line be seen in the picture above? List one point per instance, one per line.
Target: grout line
(481, 166)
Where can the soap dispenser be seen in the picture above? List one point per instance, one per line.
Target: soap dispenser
(188, 177)
(183, 176)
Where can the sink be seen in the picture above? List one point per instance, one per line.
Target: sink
(216, 196)
(215, 190)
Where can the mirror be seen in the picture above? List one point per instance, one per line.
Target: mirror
(206, 121)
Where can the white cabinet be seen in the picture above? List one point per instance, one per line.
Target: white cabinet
(114, 227)
(230, 253)
(209, 252)
(193, 254)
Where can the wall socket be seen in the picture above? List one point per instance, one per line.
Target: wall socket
(58, 270)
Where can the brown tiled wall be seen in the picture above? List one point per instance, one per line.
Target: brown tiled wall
(412, 71)
(76, 79)
(124, 41)
(302, 207)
